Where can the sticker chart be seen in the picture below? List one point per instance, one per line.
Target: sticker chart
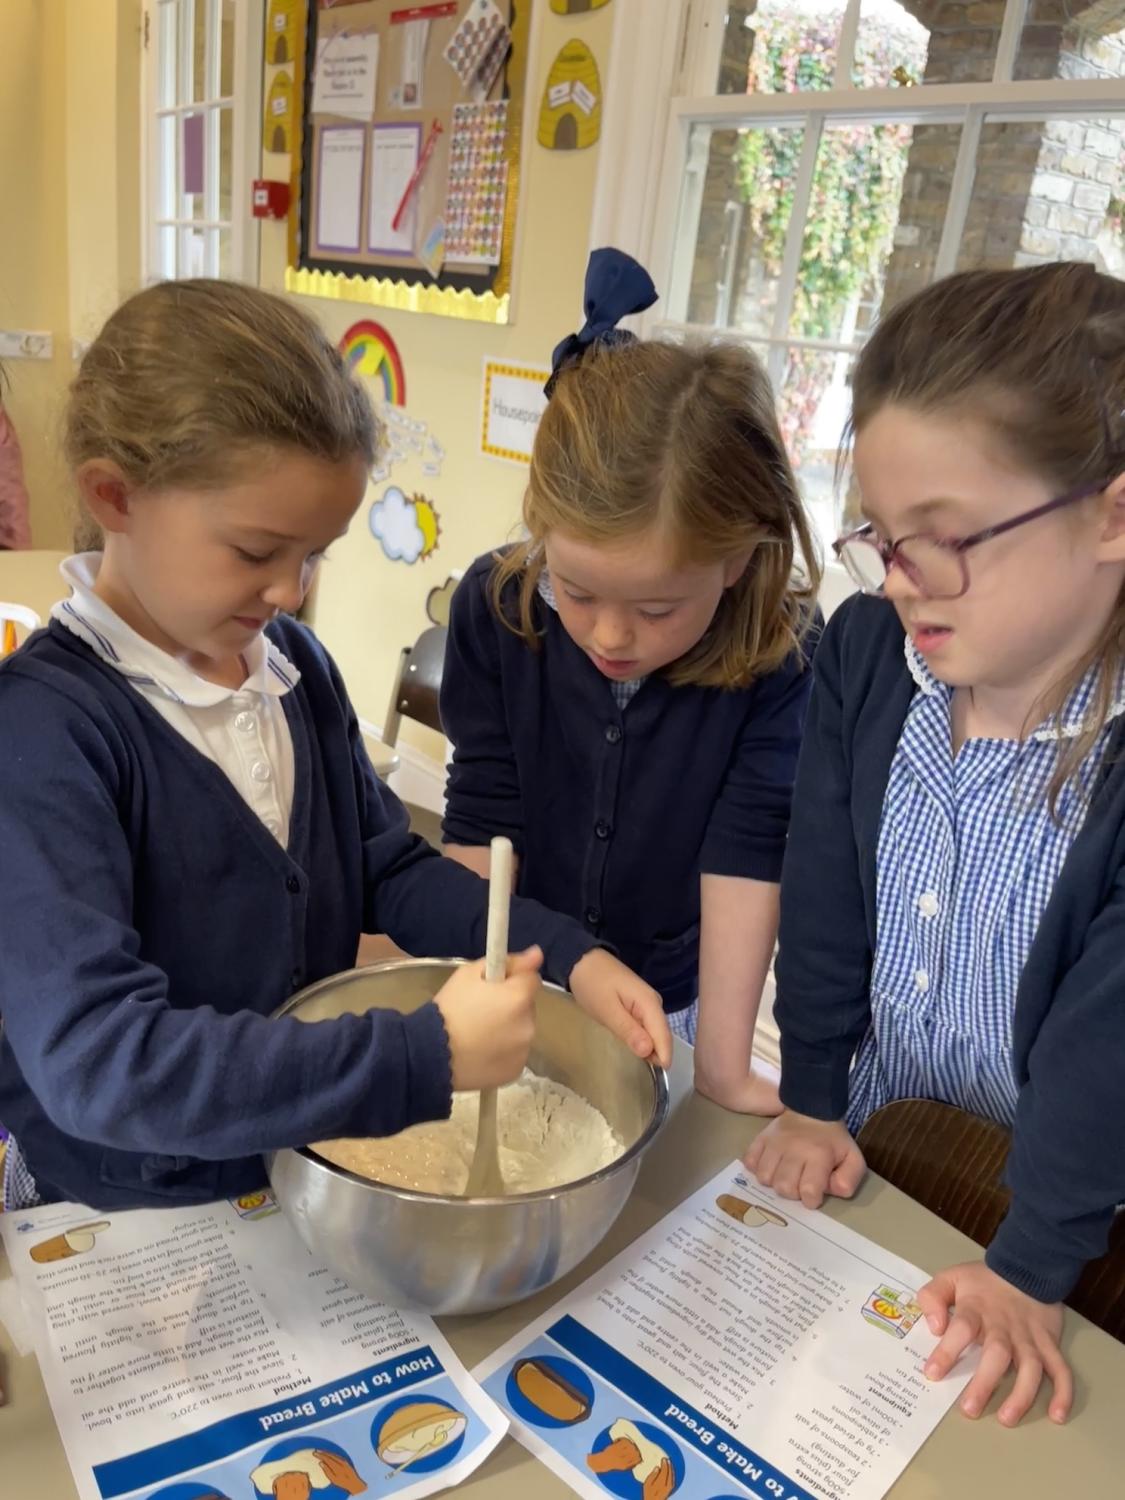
(204, 1351)
(478, 183)
(744, 1346)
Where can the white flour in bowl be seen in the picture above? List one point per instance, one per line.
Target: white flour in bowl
(548, 1135)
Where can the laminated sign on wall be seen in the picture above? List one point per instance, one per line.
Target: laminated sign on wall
(512, 404)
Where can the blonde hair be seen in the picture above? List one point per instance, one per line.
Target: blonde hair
(190, 380)
(1038, 355)
(684, 437)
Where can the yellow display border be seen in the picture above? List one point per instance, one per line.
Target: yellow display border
(492, 368)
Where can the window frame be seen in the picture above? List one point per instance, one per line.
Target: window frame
(678, 50)
(245, 104)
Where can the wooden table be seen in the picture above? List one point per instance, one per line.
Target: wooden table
(962, 1461)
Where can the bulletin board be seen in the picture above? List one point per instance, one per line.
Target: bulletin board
(442, 135)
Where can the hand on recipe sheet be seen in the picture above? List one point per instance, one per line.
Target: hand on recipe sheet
(1013, 1330)
(490, 1026)
(803, 1158)
(623, 1003)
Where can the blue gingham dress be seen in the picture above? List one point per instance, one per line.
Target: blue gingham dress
(967, 857)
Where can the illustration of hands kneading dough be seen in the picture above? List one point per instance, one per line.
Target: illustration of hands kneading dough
(631, 1451)
(296, 1475)
(74, 1241)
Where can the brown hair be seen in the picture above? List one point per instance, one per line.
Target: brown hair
(685, 437)
(1039, 356)
(189, 380)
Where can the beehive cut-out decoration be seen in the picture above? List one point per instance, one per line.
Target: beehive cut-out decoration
(570, 116)
(278, 128)
(282, 43)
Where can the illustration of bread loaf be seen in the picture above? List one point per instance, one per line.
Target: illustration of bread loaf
(416, 1430)
(73, 1242)
(751, 1214)
(553, 1395)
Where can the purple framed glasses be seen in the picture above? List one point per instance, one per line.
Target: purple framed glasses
(935, 565)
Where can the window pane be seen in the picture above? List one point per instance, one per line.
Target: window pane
(741, 197)
(166, 23)
(185, 51)
(226, 156)
(813, 402)
(226, 44)
(780, 46)
(166, 166)
(952, 42)
(1047, 190)
(868, 210)
(192, 253)
(812, 390)
(199, 69)
(193, 165)
(1052, 45)
(892, 45)
(165, 268)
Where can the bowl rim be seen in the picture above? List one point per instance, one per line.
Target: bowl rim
(661, 1105)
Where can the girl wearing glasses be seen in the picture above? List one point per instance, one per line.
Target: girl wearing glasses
(953, 902)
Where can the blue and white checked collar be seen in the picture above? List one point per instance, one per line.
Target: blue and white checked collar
(1070, 722)
(623, 692)
(145, 665)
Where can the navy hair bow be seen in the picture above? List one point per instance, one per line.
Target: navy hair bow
(616, 287)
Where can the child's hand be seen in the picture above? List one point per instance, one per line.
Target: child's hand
(490, 1026)
(800, 1157)
(624, 1004)
(754, 1094)
(1013, 1330)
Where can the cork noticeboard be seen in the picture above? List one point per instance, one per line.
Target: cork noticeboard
(355, 168)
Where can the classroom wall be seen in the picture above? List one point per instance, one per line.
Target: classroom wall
(70, 169)
(34, 293)
(368, 608)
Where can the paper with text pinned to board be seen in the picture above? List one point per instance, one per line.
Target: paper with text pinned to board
(743, 1346)
(203, 1354)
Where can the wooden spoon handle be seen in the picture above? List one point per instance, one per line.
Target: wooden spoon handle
(485, 1180)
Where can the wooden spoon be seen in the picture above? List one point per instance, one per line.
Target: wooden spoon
(485, 1180)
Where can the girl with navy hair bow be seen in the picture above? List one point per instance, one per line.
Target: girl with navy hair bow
(625, 689)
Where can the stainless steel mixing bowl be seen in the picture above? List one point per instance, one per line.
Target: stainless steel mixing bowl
(462, 1255)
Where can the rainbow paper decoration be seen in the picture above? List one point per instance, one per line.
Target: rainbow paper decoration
(368, 349)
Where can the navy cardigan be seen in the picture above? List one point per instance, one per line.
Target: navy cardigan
(615, 815)
(1067, 1162)
(149, 925)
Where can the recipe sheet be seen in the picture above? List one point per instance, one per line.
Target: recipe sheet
(203, 1354)
(744, 1346)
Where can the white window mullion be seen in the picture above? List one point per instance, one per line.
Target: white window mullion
(705, 30)
(794, 243)
(1011, 35)
(642, 149)
(845, 47)
(960, 193)
(687, 221)
(246, 138)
